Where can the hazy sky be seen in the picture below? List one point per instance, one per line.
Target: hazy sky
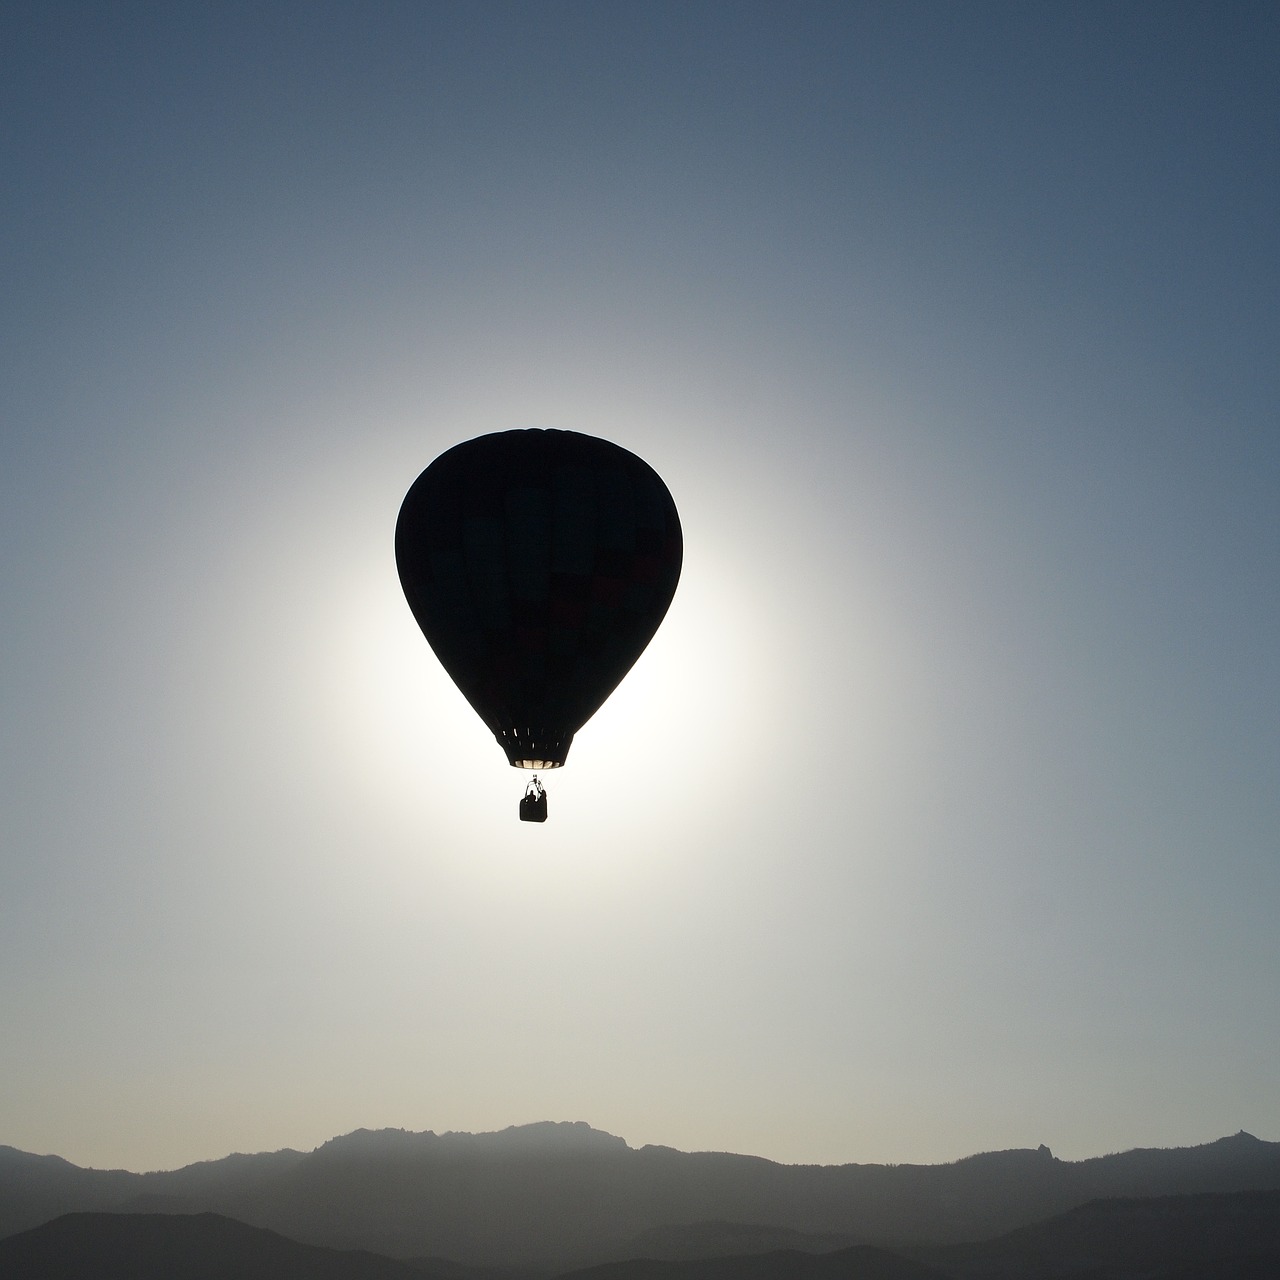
(941, 816)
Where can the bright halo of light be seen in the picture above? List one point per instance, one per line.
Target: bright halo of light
(686, 721)
(667, 749)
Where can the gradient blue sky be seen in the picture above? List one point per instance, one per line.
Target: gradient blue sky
(941, 816)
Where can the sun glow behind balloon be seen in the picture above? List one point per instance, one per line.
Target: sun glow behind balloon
(685, 721)
(668, 752)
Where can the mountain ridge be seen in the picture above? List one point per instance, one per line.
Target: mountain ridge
(559, 1195)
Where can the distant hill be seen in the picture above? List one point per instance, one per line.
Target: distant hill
(687, 1241)
(1196, 1237)
(1234, 1236)
(558, 1196)
(121, 1246)
(861, 1262)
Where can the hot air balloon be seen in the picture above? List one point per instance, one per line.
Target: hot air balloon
(538, 564)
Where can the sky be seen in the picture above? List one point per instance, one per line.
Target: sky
(940, 816)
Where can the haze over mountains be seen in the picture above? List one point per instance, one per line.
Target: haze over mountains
(552, 1197)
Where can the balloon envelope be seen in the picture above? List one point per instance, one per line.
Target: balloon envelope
(538, 564)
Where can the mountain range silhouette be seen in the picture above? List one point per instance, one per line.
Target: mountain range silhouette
(553, 1198)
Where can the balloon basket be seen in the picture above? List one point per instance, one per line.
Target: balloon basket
(533, 807)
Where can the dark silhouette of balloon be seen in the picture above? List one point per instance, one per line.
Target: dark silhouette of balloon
(538, 565)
